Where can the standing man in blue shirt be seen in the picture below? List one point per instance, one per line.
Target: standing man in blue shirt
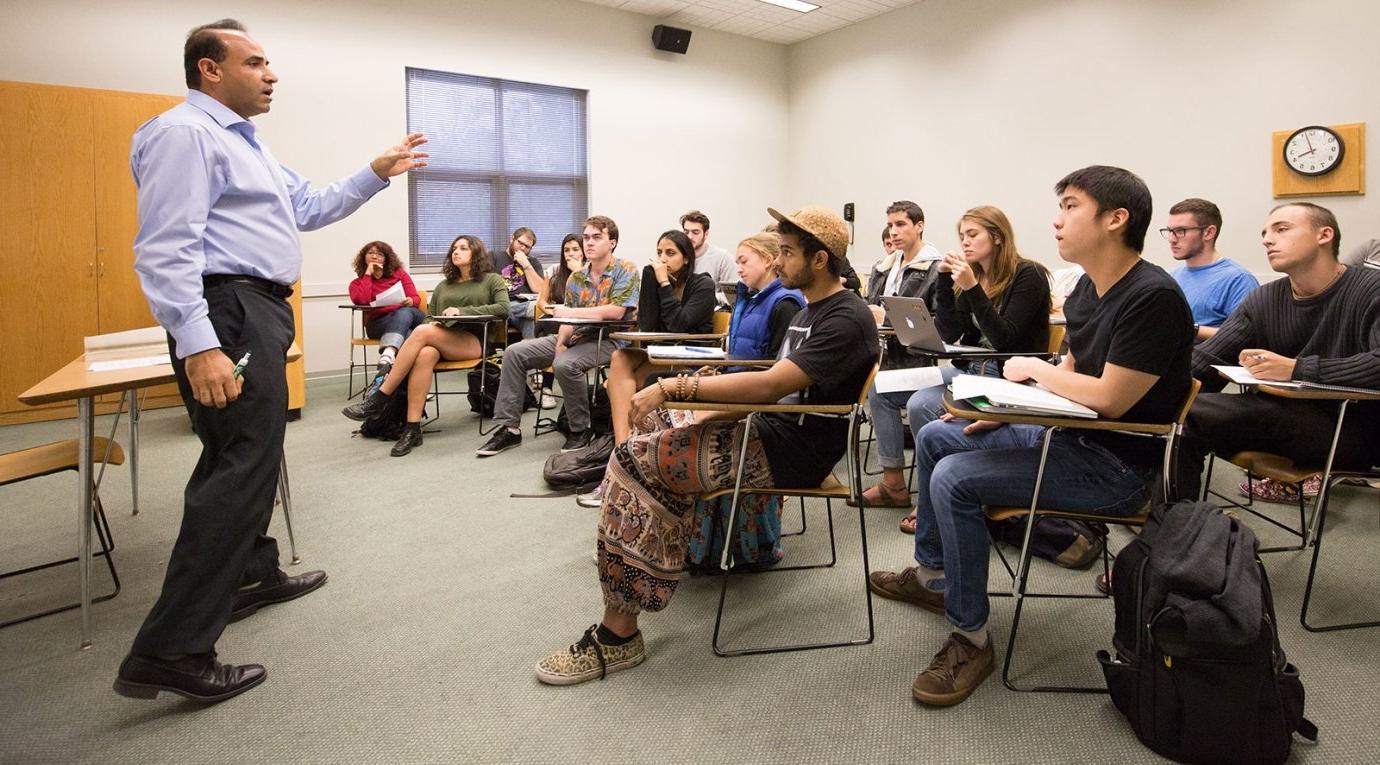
(217, 251)
(1213, 285)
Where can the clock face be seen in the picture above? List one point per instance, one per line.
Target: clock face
(1313, 150)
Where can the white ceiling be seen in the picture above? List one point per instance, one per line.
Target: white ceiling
(752, 18)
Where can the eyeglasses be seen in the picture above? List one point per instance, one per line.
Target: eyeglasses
(1178, 233)
(524, 244)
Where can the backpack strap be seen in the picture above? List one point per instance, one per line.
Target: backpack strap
(1307, 729)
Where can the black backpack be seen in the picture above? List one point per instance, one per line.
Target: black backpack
(387, 424)
(600, 413)
(1062, 541)
(580, 468)
(1199, 672)
(482, 390)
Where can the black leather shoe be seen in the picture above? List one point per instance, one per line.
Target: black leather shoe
(370, 406)
(410, 439)
(195, 676)
(276, 589)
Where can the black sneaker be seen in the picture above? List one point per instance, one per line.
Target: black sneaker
(577, 440)
(501, 439)
(411, 438)
(370, 406)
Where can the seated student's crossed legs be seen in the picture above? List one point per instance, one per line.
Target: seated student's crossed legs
(653, 481)
(957, 474)
(426, 346)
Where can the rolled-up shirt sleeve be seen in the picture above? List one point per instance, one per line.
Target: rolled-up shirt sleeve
(178, 179)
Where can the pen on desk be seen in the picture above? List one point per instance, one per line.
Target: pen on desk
(240, 365)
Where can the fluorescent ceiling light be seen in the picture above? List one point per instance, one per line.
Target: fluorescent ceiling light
(794, 5)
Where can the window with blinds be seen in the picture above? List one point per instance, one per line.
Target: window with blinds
(504, 154)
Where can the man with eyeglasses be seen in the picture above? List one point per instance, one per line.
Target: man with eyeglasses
(1213, 285)
(523, 272)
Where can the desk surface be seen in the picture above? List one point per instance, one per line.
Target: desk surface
(76, 381)
(661, 337)
(1317, 394)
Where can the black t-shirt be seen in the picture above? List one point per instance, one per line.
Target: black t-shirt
(834, 341)
(1142, 323)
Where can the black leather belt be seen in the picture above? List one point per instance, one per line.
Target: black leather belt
(264, 285)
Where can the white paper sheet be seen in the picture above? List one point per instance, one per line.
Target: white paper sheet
(684, 352)
(392, 296)
(902, 380)
(1240, 376)
(142, 361)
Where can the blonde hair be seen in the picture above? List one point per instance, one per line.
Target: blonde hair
(766, 245)
(1004, 260)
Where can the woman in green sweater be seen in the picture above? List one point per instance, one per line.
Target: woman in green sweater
(471, 288)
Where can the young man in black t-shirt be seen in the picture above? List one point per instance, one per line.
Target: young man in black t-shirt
(655, 476)
(1130, 336)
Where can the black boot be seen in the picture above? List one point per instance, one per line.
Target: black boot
(371, 405)
(410, 438)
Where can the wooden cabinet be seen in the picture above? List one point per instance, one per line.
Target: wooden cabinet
(68, 216)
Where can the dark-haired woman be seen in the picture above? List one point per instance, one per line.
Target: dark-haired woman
(471, 288)
(377, 269)
(673, 299)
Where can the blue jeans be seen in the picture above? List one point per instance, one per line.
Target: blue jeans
(958, 474)
(923, 405)
(392, 328)
(520, 317)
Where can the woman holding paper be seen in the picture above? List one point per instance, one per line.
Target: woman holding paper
(986, 295)
(378, 270)
(470, 288)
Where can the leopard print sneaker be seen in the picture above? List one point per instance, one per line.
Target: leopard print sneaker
(588, 659)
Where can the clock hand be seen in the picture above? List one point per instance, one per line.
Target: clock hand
(1310, 142)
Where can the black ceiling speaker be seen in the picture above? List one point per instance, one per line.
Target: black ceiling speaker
(670, 39)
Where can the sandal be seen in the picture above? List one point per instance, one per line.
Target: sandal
(1270, 490)
(882, 495)
(908, 523)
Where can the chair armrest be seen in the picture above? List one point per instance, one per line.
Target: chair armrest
(1318, 394)
(959, 409)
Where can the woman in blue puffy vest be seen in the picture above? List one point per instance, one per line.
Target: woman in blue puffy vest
(762, 311)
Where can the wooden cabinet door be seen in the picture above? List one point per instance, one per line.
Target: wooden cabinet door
(117, 116)
(48, 278)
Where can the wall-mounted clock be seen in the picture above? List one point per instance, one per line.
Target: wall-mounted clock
(1316, 160)
(1314, 150)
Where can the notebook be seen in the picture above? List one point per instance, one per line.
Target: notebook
(998, 395)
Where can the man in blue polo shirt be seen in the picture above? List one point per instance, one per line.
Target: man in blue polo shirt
(1213, 285)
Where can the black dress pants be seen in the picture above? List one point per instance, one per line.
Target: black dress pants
(1226, 424)
(229, 498)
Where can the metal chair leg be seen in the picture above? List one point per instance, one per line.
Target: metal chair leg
(285, 499)
(107, 546)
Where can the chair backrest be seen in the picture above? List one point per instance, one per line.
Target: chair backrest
(421, 300)
(721, 321)
(1195, 385)
(1056, 337)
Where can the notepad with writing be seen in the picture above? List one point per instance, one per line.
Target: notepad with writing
(1001, 395)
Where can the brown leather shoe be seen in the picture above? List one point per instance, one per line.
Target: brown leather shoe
(903, 586)
(277, 588)
(954, 673)
(195, 676)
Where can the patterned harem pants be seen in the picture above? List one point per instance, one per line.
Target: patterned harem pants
(650, 490)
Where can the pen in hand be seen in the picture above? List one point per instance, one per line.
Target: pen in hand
(240, 365)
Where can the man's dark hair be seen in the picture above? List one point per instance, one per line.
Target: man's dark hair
(1113, 188)
(695, 216)
(1319, 217)
(605, 224)
(810, 245)
(1203, 211)
(911, 209)
(203, 42)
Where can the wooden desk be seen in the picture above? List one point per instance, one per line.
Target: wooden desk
(637, 339)
(697, 363)
(76, 382)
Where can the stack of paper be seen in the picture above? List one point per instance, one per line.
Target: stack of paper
(1004, 395)
(146, 347)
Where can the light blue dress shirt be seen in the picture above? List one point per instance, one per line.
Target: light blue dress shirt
(214, 200)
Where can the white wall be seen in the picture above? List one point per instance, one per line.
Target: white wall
(955, 103)
(667, 132)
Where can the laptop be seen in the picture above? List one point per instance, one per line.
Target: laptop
(915, 327)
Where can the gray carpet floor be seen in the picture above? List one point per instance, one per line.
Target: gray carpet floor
(444, 592)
